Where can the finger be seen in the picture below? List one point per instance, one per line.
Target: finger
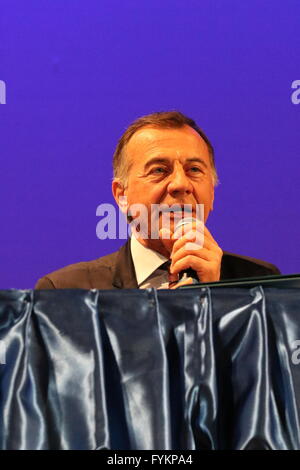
(186, 282)
(195, 225)
(203, 253)
(208, 235)
(191, 261)
(193, 241)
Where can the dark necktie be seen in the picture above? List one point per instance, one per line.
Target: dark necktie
(175, 278)
(172, 278)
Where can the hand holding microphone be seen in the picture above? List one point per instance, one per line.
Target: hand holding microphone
(194, 249)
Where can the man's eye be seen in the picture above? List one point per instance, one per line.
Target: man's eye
(158, 170)
(196, 169)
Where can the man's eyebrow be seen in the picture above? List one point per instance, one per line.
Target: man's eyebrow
(156, 160)
(167, 160)
(197, 159)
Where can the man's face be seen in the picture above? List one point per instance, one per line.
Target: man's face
(169, 166)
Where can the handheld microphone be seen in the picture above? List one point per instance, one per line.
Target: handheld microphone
(184, 221)
(189, 272)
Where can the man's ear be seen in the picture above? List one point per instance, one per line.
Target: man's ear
(119, 194)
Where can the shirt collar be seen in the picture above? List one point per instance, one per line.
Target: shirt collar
(145, 260)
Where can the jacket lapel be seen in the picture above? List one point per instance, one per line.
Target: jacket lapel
(124, 273)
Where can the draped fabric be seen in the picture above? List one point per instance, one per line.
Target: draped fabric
(202, 368)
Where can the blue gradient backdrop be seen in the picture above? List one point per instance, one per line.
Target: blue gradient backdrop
(78, 72)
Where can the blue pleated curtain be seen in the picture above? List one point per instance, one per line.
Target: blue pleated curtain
(203, 368)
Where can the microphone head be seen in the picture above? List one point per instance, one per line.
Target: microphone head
(197, 232)
(184, 221)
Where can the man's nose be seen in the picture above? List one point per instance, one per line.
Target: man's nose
(179, 182)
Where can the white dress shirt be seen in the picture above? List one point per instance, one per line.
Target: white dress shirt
(147, 264)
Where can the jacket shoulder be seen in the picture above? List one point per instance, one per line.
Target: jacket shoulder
(83, 275)
(239, 266)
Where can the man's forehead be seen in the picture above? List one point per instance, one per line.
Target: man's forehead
(149, 139)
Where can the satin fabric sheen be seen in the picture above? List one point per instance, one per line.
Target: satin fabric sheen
(150, 369)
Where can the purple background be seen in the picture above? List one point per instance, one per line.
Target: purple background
(79, 71)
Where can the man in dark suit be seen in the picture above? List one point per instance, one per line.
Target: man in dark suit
(165, 160)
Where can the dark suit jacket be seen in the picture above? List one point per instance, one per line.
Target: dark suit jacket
(116, 271)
